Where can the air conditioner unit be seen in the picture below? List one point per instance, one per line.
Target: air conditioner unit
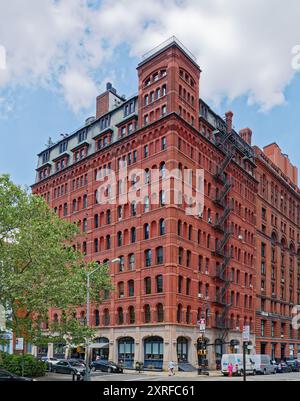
(282, 280)
(240, 237)
(251, 286)
(200, 296)
(262, 290)
(210, 220)
(200, 215)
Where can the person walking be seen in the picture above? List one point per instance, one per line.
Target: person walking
(171, 367)
(230, 369)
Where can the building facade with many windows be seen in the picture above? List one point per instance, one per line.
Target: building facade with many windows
(278, 254)
(175, 269)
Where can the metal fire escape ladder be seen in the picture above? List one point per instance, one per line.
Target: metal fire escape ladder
(222, 270)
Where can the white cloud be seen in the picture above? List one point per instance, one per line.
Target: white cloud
(244, 48)
(79, 89)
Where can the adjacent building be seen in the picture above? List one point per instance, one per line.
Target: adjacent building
(278, 253)
(175, 269)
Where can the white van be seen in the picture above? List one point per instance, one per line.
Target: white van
(237, 362)
(263, 364)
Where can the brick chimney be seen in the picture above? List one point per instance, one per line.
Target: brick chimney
(246, 134)
(229, 118)
(102, 105)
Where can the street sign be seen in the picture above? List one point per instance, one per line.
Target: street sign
(20, 344)
(202, 325)
(246, 334)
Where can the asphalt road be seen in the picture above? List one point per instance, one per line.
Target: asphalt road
(132, 377)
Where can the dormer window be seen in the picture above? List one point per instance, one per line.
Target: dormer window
(123, 132)
(82, 136)
(46, 157)
(63, 147)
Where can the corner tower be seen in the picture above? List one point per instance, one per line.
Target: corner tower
(169, 82)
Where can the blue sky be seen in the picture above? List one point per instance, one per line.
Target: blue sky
(60, 54)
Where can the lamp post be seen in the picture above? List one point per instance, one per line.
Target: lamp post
(88, 307)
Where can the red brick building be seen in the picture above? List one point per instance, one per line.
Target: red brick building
(278, 253)
(175, 268)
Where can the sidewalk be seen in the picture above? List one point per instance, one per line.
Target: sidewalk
(212, 373)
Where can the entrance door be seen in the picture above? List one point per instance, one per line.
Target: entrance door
(126, 352)
(182, 350)
(154, 353)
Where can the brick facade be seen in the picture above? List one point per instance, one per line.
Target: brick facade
(201, 266)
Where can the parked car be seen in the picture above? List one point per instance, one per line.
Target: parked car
(50, 362)
(275, 364)
(106, 366)
(263, 364)
(293, 364)
(283, 367)
(81, 361)
(6, 376)
(69, 367)
(237, 361)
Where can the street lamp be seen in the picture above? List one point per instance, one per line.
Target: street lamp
(88, 307)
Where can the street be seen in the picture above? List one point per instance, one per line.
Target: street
(133, 377)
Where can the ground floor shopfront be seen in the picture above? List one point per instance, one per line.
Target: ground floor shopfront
(154, 346)
(278, 348)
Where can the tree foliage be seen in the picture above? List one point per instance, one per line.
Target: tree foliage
(39, 268)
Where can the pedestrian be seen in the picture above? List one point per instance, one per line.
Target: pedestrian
(230, 369)
(237, 369)
(171, 367)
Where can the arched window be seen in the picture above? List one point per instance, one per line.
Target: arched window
(146, 231)
(131, 261)
(106, 318)
(121, 293)
(159, 284)
(162, 170)
(162, 198)
(162, 227)
(97, 317)
(108, 242)
(85, 201)
(148, 257)
(131, 288)
(96, 221)
(133, 235)
(179, 228)
(146, 204)
(188, 315)
(96, 245)
(147, 282)
(108, 217)
(179, 313)
(133, 209)
(160, 313)
(159, 255)
(120, 316)
(131, 315)
(120, 238)
(147, 313)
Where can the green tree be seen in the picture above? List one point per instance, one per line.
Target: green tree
(40, 269)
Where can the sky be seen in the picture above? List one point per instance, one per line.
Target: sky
(57, 55)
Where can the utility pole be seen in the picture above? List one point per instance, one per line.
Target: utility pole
(244, 361)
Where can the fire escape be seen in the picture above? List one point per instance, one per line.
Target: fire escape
(222, 251)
